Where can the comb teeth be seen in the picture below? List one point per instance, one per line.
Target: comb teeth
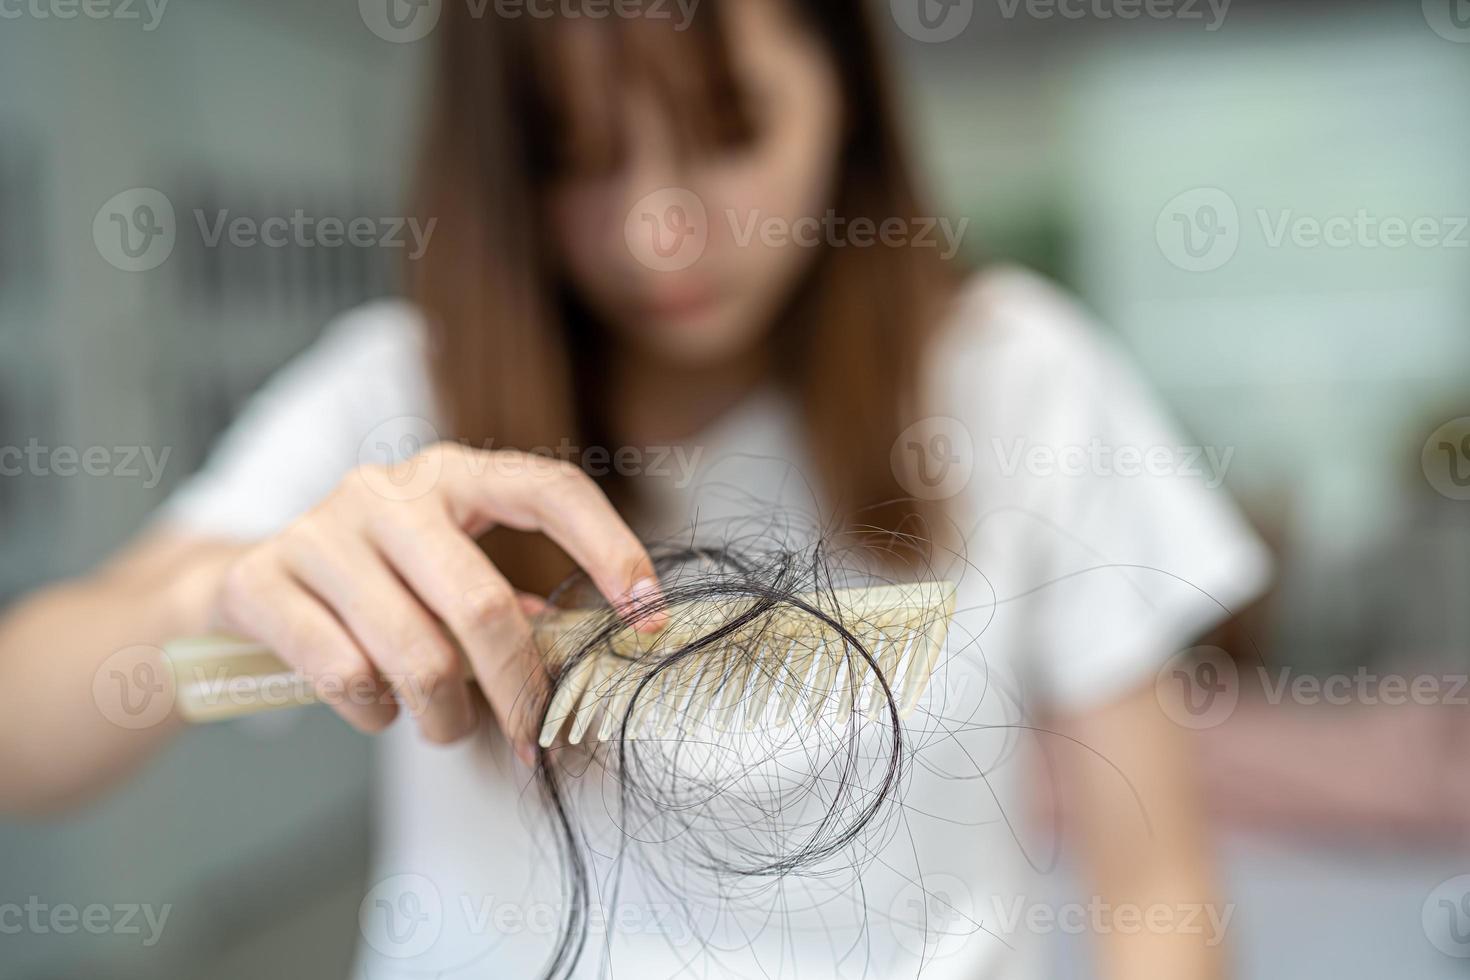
(788, 667)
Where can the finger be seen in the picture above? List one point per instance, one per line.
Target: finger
(531, 493)
(464, 589)
(395, 630)
(532, 605)
(307, 636)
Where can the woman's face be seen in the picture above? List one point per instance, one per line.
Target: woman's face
(690, 256)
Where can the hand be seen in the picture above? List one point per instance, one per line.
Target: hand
(368, 593)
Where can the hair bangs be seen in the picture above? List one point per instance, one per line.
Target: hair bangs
(584, 72)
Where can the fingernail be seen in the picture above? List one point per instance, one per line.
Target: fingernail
(643, 595)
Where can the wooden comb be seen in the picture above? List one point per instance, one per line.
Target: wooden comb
(782, 666)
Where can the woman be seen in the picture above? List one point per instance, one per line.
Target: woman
(608, 270)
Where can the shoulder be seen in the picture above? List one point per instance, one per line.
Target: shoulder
(1019, 358)
(1021, 332)
(388, 324)
(388, 337)
(363, 385)
(1053, 412)
(371, 362)
(1082, 498)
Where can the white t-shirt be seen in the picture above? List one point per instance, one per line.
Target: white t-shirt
(1097, 545)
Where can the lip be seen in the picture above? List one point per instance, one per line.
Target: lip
(678, 303)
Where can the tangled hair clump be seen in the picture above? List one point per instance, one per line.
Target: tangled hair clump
(757, 771)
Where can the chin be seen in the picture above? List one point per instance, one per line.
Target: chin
(701, 340)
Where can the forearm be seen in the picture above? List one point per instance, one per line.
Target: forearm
(1162, 911)
(85, 695)
(1144, 844)
(1172, 926)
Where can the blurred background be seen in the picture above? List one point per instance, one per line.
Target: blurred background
(1169, 168)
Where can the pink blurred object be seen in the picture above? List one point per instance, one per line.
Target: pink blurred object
(1394, 772)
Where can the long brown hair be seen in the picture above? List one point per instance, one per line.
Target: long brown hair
(516, 357)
